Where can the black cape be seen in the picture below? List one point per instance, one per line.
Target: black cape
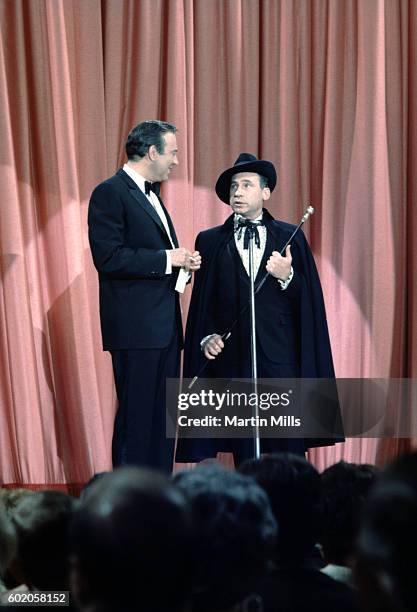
(315, 357)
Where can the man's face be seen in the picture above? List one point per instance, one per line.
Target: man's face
(163, 162)
(246, 194)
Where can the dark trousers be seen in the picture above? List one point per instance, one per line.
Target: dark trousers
(139, 436)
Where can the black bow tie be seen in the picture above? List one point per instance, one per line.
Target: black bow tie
(155, 187)
(251, 229)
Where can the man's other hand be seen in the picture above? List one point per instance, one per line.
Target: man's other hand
(213, 346)
(180, 258)
(195, 261)
(183, 258)
(279, 266)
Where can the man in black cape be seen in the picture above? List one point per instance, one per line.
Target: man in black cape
(291, 328)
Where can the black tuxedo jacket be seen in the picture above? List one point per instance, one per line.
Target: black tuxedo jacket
(139, 306)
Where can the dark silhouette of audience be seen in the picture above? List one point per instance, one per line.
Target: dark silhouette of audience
(7, 545)
(131, 544)
(235, 534)
(215, 540)
(10, 498)
(41, 521)
(345, 489)
(88, 485)
(12, 575)
(294, 489)
(386, 569)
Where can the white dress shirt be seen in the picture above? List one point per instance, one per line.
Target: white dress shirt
(258, 252)
(183, 276)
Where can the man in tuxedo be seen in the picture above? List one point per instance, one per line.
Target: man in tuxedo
(291, 329)
(141, 271)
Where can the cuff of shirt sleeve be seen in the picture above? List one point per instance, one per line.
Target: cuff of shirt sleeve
(168, 269)
(284, 283)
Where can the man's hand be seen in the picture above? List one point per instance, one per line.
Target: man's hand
(213, 346)
(183, 258)
(195, 262)
(279, 266)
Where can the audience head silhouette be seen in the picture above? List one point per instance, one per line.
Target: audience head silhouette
(131, 544)
(235, 534)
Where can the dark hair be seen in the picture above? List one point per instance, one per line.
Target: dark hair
(146, 134)
(387, 542)
(88, 485)
(42, 522)
(10, 498)
(263, 181)
(7, 541)
(345, 488)
(294, 489)
(235, 534)
(131, 538)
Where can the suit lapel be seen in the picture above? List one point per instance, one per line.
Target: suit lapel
(269, 247)
(170, 224)
(143, 201)
(234, 254)
(276, 236)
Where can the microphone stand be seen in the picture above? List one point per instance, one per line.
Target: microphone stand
(254, 362)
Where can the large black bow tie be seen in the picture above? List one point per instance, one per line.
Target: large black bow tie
(155, 187)
(251, 230)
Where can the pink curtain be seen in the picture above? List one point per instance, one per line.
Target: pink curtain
(326, 89)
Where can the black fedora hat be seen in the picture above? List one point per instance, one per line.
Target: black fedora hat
(246, 162)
